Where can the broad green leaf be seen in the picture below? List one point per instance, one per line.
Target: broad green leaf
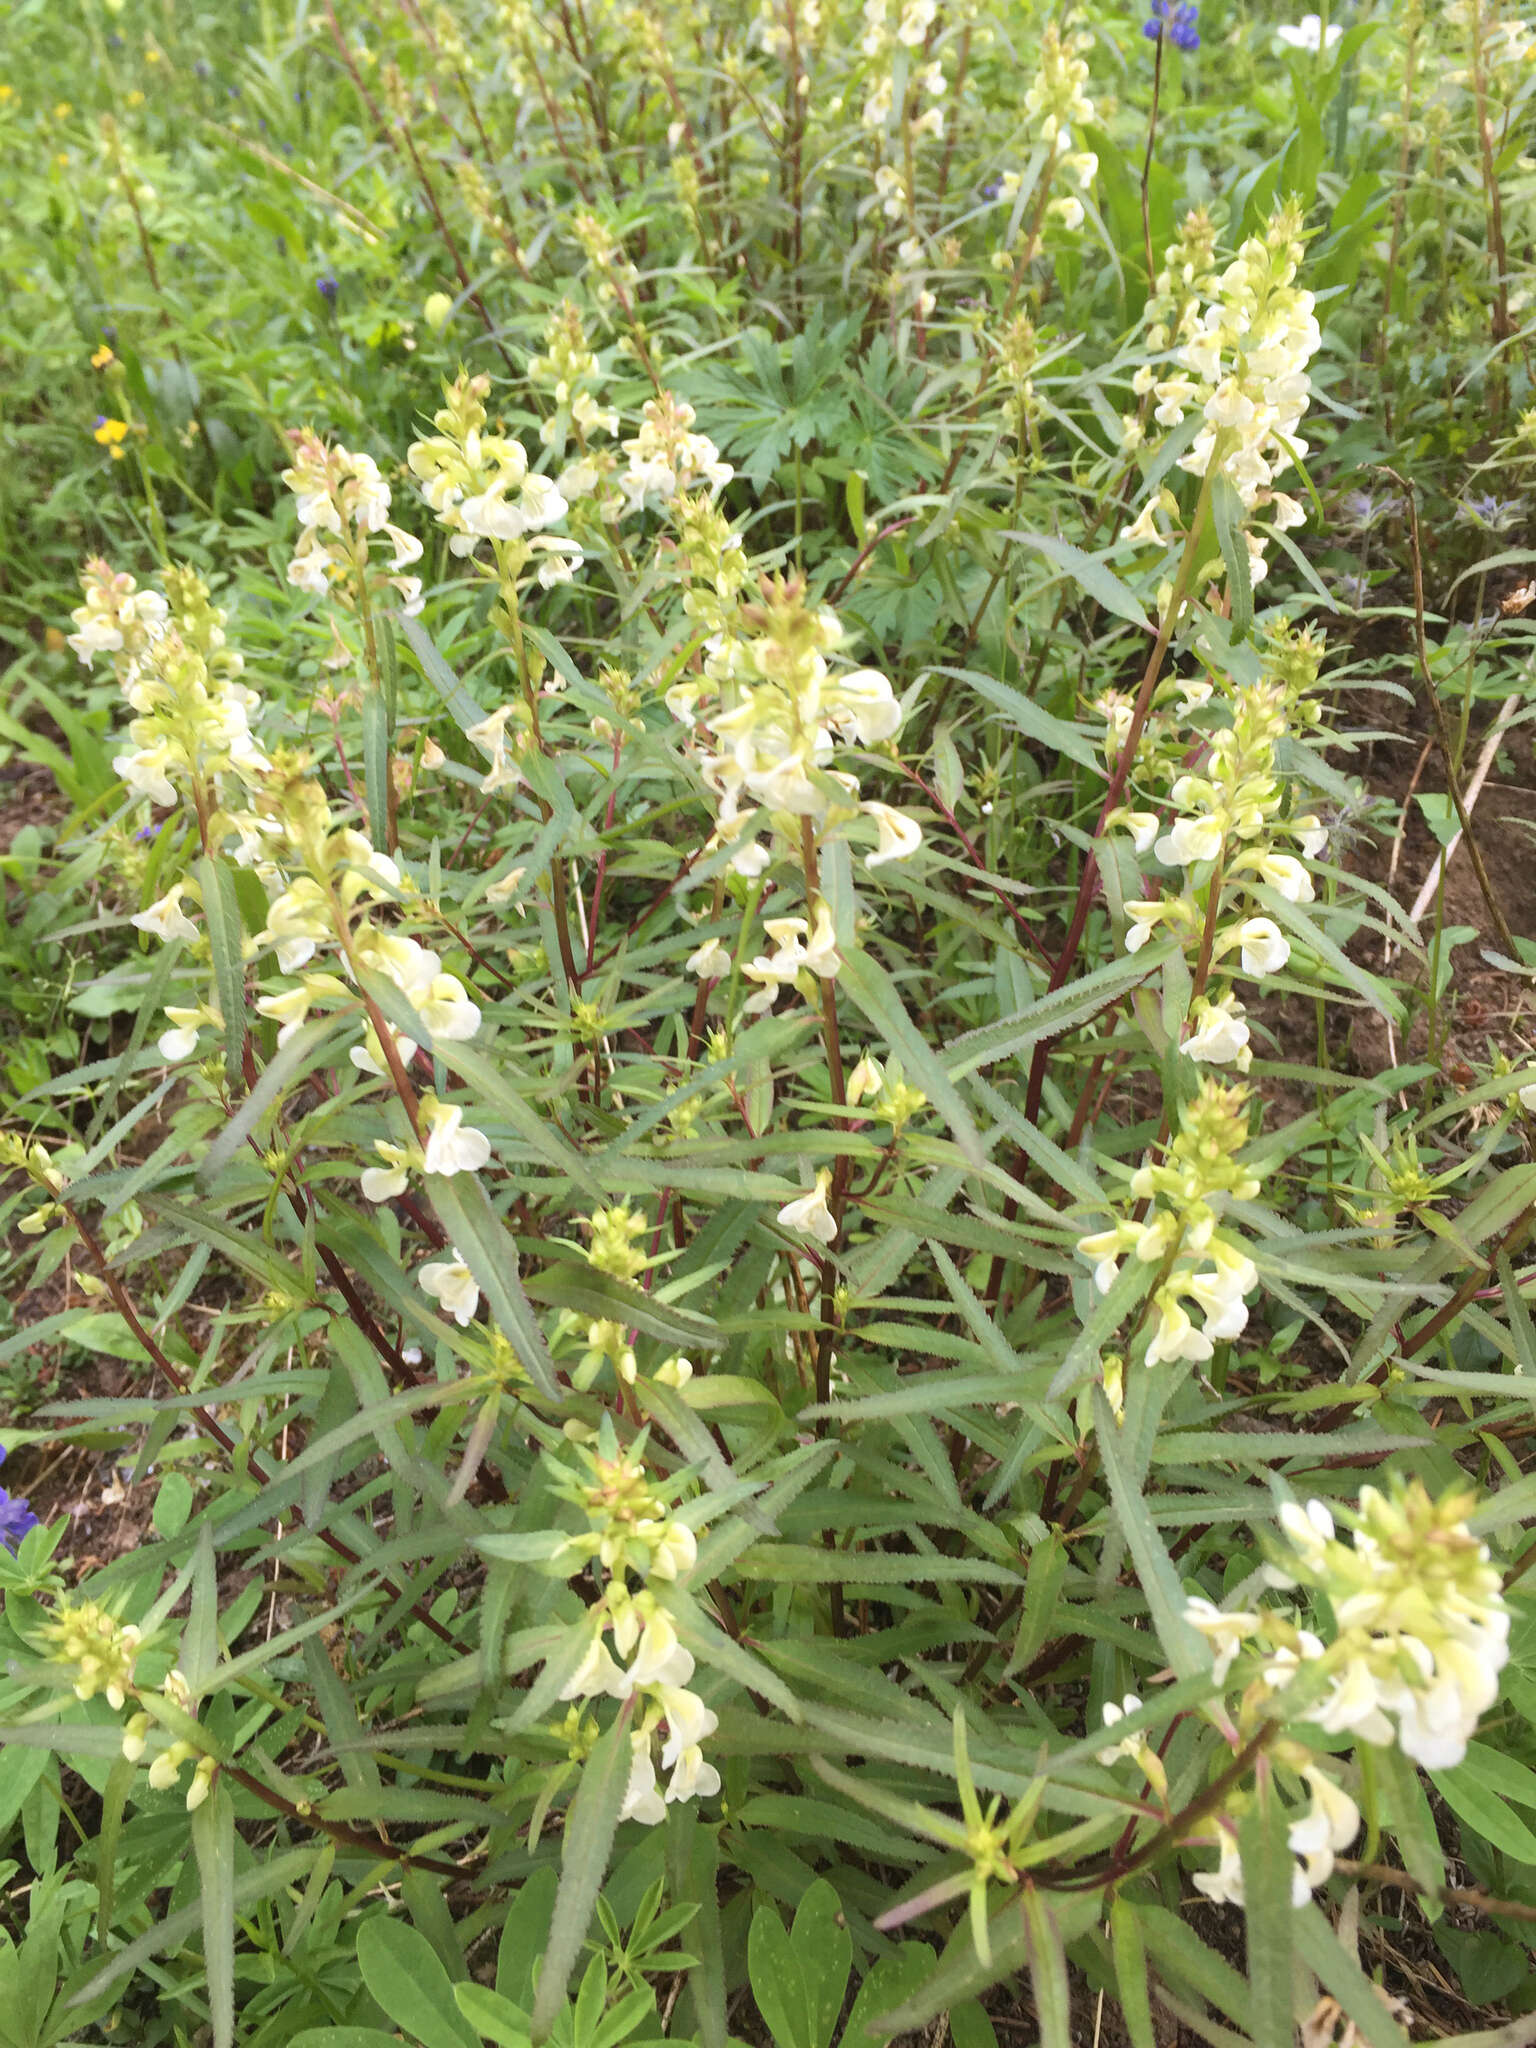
(401, 1970)
(1476, 1793)
(888, 1982)
(344, 2037)
(497, 2018)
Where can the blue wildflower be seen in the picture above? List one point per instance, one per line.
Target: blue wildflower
(327, 287)
(1488, 511)
(16, 1518)
(1179, 18)
(993, 186)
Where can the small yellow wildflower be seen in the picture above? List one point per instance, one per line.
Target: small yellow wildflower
(62, 111)
(102, 357)
(111, 434)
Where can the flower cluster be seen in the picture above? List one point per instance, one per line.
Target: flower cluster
(192, 715)
(479, 487)
(667, 457)
(1413, 1629)
(771, 30)
(896, 48)
(771, 713)
(614, 276)
(632, 1534)
(881, 40)
(1177, 1227)
(343, 502)
(1057, 103)
(101, 1654)
(1422, 1629)
(1175, 19)
(448, 1146)
(1243, 370)
(1228, 833)
(342, 873)
(569, 371)
(1186, 278)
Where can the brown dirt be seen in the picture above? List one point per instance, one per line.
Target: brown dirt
(28, 796)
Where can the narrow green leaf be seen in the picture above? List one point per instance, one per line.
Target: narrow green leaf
(344, 2037)
(376, 764)
(304, 1053)
(1047, 1971)
(1227, 512)
(254, 1886)
(1050, 1015)
(1025, 716)
(221, 920)
(1183, 1646)
(1130, 1958)
(870, 989)
(213, 1843)
(590, 1827)
(1319, 1948)
(1478, 1796)
(1267, 1867)
(1180, 1957)
(486, 1246)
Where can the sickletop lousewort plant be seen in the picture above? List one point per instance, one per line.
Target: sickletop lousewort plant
(343, 502)
(1406, 1636)
(1177, 1229)
(327, 884)
(1241, 367)
(1230, 837)
(632, 1535)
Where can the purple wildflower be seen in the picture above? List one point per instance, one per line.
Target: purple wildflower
(1178, 18)
(327, 287)
(16, 1518)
